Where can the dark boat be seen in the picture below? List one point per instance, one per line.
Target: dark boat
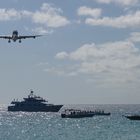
(133, 117)
(72, 113)
(33, 103)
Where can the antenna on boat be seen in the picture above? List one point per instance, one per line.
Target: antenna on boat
(31, 91)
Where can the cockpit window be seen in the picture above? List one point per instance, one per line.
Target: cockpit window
(15, 32)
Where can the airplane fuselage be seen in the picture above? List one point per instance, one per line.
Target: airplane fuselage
(15, 36)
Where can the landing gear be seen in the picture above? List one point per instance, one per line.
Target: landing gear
(9, 41)
(20, 41)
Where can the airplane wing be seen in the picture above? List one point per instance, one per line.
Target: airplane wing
(31, 36)
(6, 37)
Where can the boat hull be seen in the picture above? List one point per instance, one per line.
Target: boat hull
(137, 117)
(76, 115)
(51, 108)
(102, 114)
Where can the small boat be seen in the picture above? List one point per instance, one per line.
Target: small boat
(133, 117)
(72, 113)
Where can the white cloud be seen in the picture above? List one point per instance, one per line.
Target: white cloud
(120, 2)
(114, 61)
(56, 71)
(8, 14)
(130, 20)
(47, 16)
(41, 30)
(61, 55)
(86, 11)
(12, 14)
(50, 16)
(135, 37)
(67, 71)
(25, 13)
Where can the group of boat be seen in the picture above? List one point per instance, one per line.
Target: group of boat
(35, 103)
(72, 113)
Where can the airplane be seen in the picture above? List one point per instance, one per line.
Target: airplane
(16, 37)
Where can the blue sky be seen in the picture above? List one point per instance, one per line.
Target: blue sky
(90, 52)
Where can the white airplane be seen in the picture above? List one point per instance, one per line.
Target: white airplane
(16, 37)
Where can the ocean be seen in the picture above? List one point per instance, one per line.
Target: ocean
(50, 126)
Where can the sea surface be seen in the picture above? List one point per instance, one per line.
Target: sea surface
(50, 126)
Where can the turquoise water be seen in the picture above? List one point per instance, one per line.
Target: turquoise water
(50, 126)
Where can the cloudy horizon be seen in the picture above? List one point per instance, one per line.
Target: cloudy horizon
(89, 53)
